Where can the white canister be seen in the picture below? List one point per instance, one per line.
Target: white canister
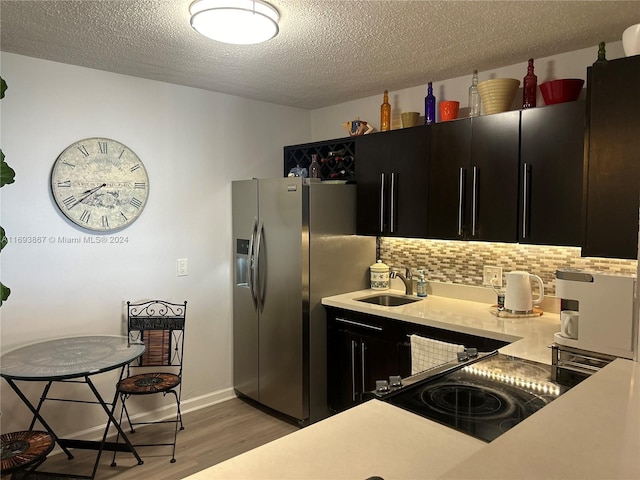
(379, 276)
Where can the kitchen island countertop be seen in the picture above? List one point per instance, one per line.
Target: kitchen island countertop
(590, 432)
(371, 439)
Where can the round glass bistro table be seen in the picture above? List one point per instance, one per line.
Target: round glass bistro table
(73, 359)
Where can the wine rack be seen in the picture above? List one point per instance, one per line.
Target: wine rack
(336, 158)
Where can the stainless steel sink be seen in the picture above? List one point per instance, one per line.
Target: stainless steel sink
(388, 300)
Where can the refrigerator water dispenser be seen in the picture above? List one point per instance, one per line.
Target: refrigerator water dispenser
(242, 262)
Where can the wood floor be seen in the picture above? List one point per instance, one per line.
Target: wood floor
(211, 435)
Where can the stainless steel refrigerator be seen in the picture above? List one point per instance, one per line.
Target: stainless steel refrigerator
(294, 243)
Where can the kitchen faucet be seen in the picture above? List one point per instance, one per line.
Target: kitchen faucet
(407, 279)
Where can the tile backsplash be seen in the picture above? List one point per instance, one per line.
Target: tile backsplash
(462, 262)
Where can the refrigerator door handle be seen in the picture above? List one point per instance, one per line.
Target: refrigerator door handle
(259, 290)
(252, 262)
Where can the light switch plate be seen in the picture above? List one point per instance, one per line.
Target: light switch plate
(182, 267)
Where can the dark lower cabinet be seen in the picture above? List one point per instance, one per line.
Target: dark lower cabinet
(406, 329)
(552, 157)
(363, 348)
(612, 168)
(360, 350)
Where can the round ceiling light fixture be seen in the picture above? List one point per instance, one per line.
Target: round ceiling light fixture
(240, 22)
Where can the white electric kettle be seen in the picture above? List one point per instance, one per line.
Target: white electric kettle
(518, 297)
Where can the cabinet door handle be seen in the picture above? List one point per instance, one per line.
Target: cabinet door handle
(353, 370)
(392, 204)
(382, 203)
(358, 324)
(474, 200)
(460, 199)
(525, 203)
(363, 347)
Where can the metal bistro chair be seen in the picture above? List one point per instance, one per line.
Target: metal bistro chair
(160, 326)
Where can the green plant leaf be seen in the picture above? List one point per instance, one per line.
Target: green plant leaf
(4, 293)
(7, 174)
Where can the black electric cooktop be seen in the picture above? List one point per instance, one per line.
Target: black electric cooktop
(483, 399)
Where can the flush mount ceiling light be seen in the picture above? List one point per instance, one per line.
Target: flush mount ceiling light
(240, 22)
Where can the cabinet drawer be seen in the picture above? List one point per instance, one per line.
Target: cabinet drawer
(357, 326)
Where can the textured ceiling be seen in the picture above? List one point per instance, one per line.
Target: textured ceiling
(327, 51)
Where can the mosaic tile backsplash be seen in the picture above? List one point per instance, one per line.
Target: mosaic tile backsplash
(462, 262)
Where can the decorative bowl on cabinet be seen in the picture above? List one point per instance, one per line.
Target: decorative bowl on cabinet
(631, 40)
(497, 94)
(560, 91)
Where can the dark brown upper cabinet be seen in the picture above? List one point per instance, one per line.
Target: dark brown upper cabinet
(551, 161)
(612, 161)
(473, 178)
(392, 180)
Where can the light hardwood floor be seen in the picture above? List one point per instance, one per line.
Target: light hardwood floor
(211, 435)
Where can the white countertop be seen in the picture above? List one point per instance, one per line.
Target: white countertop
(371, 439)
(530, 337)
(590, 432)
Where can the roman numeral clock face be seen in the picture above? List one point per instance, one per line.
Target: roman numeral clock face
(100, 184)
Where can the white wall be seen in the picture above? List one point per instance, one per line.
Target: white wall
(326, 123)
(193, 143)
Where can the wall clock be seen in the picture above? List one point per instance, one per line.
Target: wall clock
(100, 184)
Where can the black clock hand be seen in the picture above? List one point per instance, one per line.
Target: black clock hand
(87, 194)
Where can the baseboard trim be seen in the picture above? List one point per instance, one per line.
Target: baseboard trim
(207, 400)
(188, 405)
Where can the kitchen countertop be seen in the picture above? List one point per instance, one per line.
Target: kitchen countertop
(529, 337)
(371, 439)
(590, 432)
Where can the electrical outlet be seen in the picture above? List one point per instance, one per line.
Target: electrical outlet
(182, 267)
(492, 276)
